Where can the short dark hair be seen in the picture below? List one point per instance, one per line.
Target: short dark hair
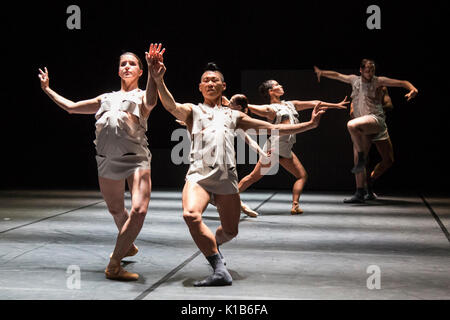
(134, 55)
(212, 66)
(265, 87)
(365, 61)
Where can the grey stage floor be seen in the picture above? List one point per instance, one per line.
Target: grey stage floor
(55, 245)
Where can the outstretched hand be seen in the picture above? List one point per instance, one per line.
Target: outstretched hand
(318, 73)
(342, 104)
(317, 113)
(155, 61)
(43, 76)
(411, 94)
(154, 53)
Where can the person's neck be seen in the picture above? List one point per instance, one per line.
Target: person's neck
(128, 86)
(275, 99)
(365, 80)
(213, 102)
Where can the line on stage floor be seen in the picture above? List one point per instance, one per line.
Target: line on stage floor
(184, 263)
(167, 276)
(436, 217)
(268, 199)
(46, 218)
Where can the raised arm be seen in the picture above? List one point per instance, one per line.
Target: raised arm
(302, 105)
(151, 94)
(245, 123)
(90, 106)
(263, 111)
(387, 82)
(333, 75)
(180, 111)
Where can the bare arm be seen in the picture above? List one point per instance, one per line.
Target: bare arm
(263, 111)
(252, 144)
(333, 75)
(151, 94)
(89, 106)
(303, 105)
(180, 111)
(387, 101)
(245, 123)
(387, 82)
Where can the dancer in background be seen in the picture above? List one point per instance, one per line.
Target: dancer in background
(384, 148)
(369, 117)
(122, 150)
(212, 171)
(281, 111)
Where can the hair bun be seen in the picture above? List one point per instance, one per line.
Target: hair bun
(211, 66)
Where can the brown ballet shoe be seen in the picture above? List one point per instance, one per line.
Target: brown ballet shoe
(245, 209)
(296, 209)
(120, 274)
(132, 252)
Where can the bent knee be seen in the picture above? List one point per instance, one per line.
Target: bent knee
(351, 125)
(304, 176)
(140, 212)
(230, 233)
(192, 217)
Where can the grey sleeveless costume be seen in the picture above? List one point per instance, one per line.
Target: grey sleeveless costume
(285, 142)
(212, 156)
(121, 144)
(366, 98)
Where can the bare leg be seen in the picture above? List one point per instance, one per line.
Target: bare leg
(295, 167)
(252, 177)
(141, 188)
(113, 193)
(359, 128)
(360, 177)
(195, 201)
(228, 207)
(247, 181)
(386, 152)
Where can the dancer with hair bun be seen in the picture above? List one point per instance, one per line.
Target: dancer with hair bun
(212, 171)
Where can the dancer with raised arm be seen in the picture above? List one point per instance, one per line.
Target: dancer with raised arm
(281, 111)
(369, 117)
(212, 171)
(122, 150)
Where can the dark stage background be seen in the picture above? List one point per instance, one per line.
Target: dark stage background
(44, 147)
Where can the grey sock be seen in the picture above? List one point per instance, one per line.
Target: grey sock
(220, 277)
(221, 256)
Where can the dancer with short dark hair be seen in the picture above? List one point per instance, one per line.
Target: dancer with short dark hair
(280, 111)
(369, 117)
